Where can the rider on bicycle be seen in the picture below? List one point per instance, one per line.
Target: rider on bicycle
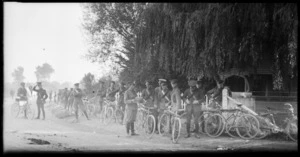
(22, 94)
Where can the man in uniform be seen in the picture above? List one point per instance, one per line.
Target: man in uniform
(193, 98)
(66, 95)
(216, 94)
(121, 92)
(111, 92)
(101, 93)
(70, 99)
(41, 99)
(22, 94)
(148, 96)
(78, 103)
(131, 100)
(12, 93)
(50, 96)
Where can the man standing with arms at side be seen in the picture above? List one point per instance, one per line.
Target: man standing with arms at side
(131, 99)
(193, 98)
(41, 99)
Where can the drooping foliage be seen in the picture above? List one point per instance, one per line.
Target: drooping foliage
(212, 40)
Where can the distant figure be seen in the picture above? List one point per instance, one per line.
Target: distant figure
(70, 98)
(78, 103)
(41, 99)
(22, 97)
(50, 96)
(111, 92)
(101, 93)
(12, 93)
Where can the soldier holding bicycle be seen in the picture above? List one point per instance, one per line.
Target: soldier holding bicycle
(22, 94)
(148, 96)
(193, 98)
(78, 94)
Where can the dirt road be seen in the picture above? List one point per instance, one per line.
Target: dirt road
(60, 134)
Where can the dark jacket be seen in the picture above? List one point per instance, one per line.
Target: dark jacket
(41, 93)
(22, 93)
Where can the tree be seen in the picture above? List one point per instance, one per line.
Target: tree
(43, 73)
(212, 40)
(18, 74)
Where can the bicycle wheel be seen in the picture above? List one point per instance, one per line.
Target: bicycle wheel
(214, 125)
(15, 109)
(263, 130)
(201, 121)
(119, 116)
(29, 112)
(176, 130)
(247, 126)
(149, 126)
(230, 126)
(292, 129)
(163, 124)
(108, 115)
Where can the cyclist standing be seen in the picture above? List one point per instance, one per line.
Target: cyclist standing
(12, 93)
(216, 93)
(131, 99)
(41, 99)
(22, 94)
(101, 94)
(121, 92)
(78, 94)
(193, 98)
(148, 96)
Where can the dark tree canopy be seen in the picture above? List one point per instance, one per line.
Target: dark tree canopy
(44, 72)
(212, 40)
(18, 75)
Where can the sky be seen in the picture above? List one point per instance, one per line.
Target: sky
(35, 33)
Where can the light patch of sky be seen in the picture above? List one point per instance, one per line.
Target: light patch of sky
(35, 33)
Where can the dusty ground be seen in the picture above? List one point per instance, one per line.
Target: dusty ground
(58, 133)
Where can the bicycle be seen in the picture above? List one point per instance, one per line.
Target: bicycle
(19, 107)
(240, 122)
(145, 120)
(268, 123)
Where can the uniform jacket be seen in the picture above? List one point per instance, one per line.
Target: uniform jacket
(129, 97)
(175, 99)
(41, 93)
(78, 94)
(148, 95)
(22, 93)
(198, 94)
(162, 98)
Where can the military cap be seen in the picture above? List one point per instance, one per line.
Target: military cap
(22, 83)
(192, 82)
(76, 84)
(162, 80)
(220, 81)
(174, 81)
(39, 83)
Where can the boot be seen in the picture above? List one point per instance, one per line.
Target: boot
(132, 129)
(127, 128)
(188, 130)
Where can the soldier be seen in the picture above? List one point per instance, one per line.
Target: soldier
(216, 94)
(161, 94)
(65, 97)
(131, 100)
(101, 93)
(41, 99)
(111, 91)
(70, 98)
(50, 96)
(12, 93)
(120, 101)
(193, 98)
(78, 103)
(55, 97)
(22, 94)
(148, 96)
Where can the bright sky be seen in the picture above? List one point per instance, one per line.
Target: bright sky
(31, 27)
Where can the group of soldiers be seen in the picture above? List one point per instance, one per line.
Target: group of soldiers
(159, 98)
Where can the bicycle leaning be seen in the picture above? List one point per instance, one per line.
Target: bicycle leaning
(269, 125)
(145, 121)
(19, 107)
